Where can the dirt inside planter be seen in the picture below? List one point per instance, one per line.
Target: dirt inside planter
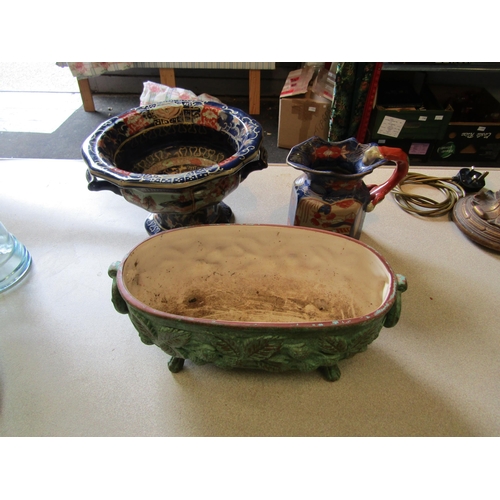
(256, 274)
(259, 299)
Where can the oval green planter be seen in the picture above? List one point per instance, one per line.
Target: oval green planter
(264, 297)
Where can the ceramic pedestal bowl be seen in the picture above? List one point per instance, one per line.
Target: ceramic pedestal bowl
(263, 297)
(177, 160)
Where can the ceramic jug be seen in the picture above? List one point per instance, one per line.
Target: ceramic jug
(331, 193)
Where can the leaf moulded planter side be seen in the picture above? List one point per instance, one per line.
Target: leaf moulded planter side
(275, 346)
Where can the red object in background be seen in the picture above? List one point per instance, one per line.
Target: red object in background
(370, 100)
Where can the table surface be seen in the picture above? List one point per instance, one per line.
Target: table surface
(70, 365)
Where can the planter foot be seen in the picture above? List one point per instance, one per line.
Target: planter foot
(330, 373)
(175, 364)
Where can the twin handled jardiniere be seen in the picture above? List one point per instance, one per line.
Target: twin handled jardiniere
(265, 297)
(331, 193)
(177, 160)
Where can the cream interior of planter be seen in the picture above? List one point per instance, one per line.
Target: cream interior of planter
(257, 274)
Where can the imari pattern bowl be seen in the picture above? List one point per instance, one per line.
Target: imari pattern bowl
(177, 160)
(263, 297)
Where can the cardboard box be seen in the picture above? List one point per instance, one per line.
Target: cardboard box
(297, 82)
(324, 84)
(302, 113)
(424, 124)
(301, 118)
(473, 133)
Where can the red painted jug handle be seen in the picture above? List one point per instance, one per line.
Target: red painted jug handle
(397, 155)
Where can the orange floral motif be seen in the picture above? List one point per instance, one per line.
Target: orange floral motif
(342, 185)
(149, 203)
(133, 198)
(227, 160)
(326, 219)
(134, 122)
(209, 117)
(344, 203)
(330, 152)
(196, 161)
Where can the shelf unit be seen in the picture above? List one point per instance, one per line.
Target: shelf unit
(469, 74)
(476, 67)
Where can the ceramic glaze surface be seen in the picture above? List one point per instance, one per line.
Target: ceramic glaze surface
(331, 194)
(177, 160)
(268, 297)
(253, 274)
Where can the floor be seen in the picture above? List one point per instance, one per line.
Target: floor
(41, 115)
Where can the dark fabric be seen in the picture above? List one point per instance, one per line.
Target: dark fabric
(351, 91)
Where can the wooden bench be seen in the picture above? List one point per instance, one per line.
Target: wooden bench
(167, 76)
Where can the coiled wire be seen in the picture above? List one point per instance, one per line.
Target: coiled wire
(422, 205)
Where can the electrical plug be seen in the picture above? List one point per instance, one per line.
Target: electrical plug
(470, 179)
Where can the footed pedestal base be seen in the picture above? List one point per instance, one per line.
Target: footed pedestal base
(215, 214)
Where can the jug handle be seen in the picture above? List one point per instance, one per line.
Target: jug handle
(398, 156)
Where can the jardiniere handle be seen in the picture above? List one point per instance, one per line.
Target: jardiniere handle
(259, 164)
(116, 298)
(121, 307)
(394, 313)
(397, 155)
(101, 185)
